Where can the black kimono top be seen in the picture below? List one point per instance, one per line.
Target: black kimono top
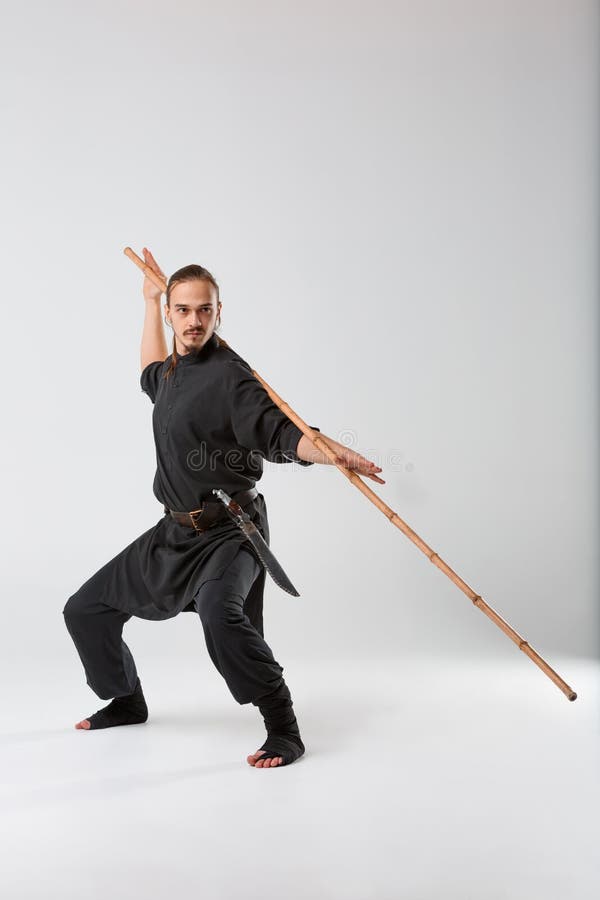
(213, 423)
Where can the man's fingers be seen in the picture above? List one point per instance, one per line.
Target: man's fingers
(150, 261)
(368, 465)
(368, 473)
(362, 467)
(353, 461)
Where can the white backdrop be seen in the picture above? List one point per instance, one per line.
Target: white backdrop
(399, 201)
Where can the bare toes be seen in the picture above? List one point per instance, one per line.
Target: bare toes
(83, 724)
(254, 757)
(269, 763)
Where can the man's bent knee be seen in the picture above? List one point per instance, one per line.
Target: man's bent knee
(219, 611)
(70, 607)
(74, 606)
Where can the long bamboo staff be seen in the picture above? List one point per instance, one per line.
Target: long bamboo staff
(389, 513)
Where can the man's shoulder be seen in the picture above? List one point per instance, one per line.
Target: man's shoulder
(157, 364)
(151, 377)
(234, 365)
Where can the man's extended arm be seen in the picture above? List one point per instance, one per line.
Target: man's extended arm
(346, 457)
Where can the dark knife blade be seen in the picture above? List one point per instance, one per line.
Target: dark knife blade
(247, 526)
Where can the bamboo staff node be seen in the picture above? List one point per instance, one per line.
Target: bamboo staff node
(389, 513)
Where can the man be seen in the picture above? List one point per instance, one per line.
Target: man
(213, 422)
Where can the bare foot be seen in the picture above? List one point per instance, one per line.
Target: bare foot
(130, 709)
(255, 760)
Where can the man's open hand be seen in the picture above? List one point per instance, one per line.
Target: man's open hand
(151, 292)
(359, 464)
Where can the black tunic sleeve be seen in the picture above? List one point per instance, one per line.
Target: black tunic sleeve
(258, 423)
(149, 379)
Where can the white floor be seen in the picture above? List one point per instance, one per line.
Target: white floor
(422, 779)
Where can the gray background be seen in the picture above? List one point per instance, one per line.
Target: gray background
(399, 201)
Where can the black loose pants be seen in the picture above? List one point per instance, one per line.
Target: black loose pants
(239, 652)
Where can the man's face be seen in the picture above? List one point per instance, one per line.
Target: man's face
(193, 313)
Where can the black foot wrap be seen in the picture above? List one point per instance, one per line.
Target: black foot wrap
(129, 710)
(283, 734)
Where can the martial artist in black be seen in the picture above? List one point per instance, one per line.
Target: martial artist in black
(213, 425)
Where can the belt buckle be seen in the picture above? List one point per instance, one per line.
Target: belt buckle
(196, 512)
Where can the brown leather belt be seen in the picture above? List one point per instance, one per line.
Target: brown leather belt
(211, 512)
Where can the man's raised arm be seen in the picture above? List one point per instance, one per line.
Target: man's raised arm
(154, 345)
